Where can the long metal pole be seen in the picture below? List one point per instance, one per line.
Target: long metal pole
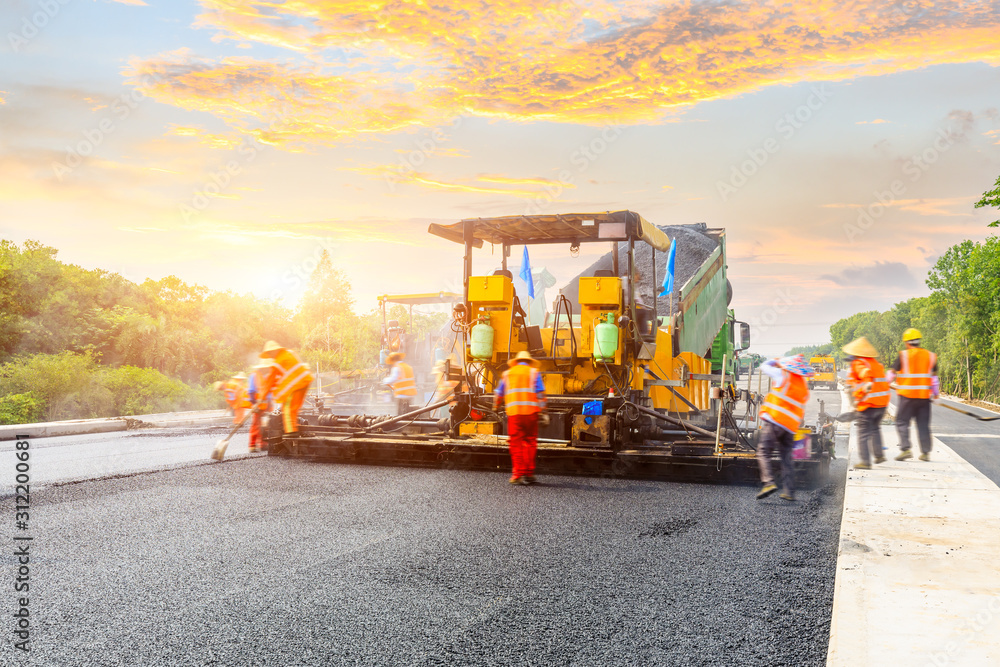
(722, 390)
(412, 413)
(679, 422)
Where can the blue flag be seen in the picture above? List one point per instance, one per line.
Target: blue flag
(525, 273)
(668, 280)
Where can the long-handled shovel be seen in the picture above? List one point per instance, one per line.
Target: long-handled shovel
(967, 413)
(220, 446)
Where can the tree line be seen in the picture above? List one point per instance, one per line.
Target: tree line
(81, 343)
(959, 320)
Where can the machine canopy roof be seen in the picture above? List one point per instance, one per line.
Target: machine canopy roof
(419, 299)
(556, 228)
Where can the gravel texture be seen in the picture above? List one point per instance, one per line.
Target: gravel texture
(268, 561)
(693, 248)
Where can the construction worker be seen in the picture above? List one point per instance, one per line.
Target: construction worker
(915, 379)
(870, 393)
(402, 381)
(235, 391)
(289, 380)
(522, 393)
(259, 376)
(783, 411)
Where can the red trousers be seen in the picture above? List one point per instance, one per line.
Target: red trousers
(523, 441)
(256, 439)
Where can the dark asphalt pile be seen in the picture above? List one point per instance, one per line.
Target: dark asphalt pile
(693, 248)
(280, 562)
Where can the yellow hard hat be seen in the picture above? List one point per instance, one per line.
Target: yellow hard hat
(860, 348)
(240, 376)
(394, 357)
(270, 348)
(218, 386)
(266, 363)
(911, 334)
(523, 355)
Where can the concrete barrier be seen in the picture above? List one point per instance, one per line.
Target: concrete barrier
(109, 425)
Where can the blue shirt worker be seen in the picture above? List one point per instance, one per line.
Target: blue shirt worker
(522, 393)
(783, 411)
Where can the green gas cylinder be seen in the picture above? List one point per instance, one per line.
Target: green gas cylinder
(605, 340)
(481, 346)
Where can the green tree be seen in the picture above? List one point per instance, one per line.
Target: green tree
(991, 198)
(808, 351)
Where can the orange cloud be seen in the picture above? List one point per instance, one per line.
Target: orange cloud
(479, 184)
(372, 66)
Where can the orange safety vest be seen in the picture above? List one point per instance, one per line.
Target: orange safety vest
(229, 390)
(243, 396)
(405, 385)
(289, 374)
(865, 370)
(520, 397)
(916, 368)
(236, 394)
(264, 381)
(786, 404)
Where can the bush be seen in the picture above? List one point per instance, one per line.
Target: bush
(62, 384)
(20, 409)
(140, 391)
(49, 387)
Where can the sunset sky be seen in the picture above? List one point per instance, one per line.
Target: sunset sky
(841, 144)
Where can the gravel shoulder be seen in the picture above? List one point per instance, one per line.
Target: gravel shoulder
(279, 562)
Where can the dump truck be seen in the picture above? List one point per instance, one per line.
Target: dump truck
(634, 388)
(826, 372)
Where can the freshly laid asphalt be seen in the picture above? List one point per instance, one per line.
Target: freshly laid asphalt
(268, 561)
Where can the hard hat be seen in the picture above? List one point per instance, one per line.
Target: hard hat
(796, 365)
(860, 347)
(219, 386)
(266, 363)
(240, 376)
(911, 334)
(394, 357)
(270, 347)
(523, 355)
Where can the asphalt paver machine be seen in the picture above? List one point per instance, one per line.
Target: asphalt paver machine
(632, 389)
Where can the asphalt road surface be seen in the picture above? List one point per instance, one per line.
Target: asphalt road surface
(977, 442)
(269, 561)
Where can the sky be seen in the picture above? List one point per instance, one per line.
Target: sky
(842, 145)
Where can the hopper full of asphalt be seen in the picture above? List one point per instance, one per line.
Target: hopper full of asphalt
(282, 562)
(693, 248)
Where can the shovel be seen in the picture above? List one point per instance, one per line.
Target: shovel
(220, 446)
(967, 413)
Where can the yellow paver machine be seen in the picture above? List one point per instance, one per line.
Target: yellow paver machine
(636, 386)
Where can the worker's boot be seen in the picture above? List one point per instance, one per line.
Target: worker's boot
(530, 479)
(516, 479)
(924, 457)
(861, 465)
(787, 496)
(903, 455)
(879, 459)
(767, 490)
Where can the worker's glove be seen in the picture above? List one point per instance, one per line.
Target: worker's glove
(890, 376)
(935, 387)
(543, 419)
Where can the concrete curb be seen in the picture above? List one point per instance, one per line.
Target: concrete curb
(917, 582)
(109, 425)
